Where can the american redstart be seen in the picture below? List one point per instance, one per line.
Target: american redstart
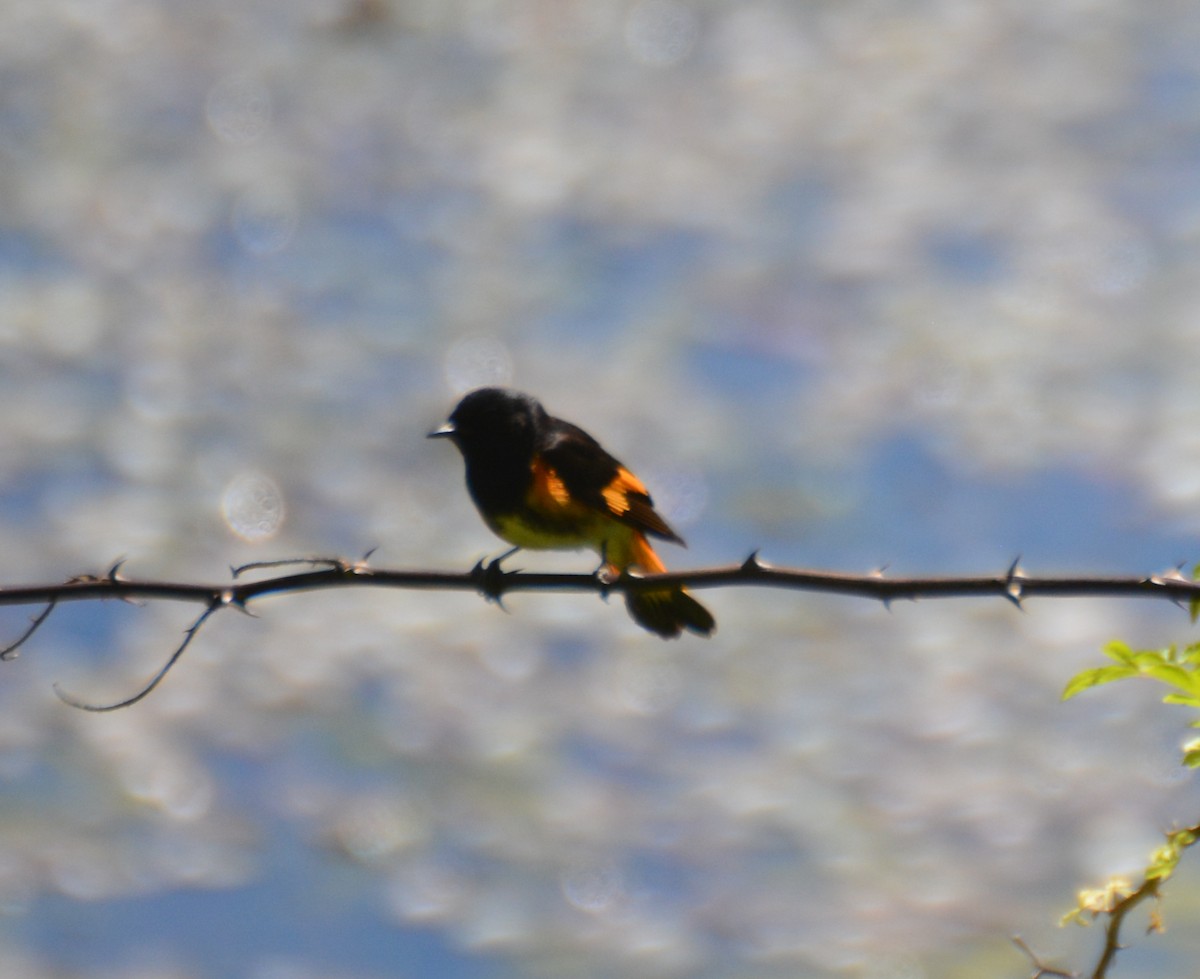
(542, 483)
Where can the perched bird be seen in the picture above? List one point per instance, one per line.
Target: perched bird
(542, 483)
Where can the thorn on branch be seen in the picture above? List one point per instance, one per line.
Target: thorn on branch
(231, 598)
(188, 636)
(10, 651)
(113, 577)
(489, 579)
(1173, 575)
(752, 563)
(1014, 587)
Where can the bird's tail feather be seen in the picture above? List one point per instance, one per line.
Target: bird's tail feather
(665, 612)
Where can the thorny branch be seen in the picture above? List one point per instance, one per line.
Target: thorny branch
(493, 582)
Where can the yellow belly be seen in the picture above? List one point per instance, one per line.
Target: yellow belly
(601, 534)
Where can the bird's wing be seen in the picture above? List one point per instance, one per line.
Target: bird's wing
(585, 471)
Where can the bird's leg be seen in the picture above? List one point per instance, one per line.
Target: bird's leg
(603, 565)
(605, 573)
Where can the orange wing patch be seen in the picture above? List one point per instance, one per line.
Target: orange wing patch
(624, 499)
(549, 493)
(616, 493)
(628, 500)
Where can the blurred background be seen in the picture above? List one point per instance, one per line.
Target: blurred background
(855, 283)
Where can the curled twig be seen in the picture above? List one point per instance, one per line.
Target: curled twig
(188, 636)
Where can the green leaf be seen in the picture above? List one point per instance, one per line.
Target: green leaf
(1149, 657)
(1096, 677)
(1173, 675)
(1120, 652)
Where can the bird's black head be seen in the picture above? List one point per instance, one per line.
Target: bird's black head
(493, 419)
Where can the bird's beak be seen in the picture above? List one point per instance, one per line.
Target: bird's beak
(447, 431)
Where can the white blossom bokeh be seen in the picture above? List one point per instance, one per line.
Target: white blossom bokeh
(857, 284)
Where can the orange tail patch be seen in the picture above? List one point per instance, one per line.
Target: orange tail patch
(668, 612)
